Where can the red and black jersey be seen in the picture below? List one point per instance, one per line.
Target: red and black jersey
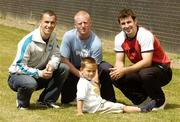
(144, 41)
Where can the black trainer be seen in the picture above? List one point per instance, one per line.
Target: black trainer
(149, 106)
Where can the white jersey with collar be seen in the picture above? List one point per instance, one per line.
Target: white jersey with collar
(144, 41)
(144, 37)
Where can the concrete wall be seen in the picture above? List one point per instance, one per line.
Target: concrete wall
(161, 17)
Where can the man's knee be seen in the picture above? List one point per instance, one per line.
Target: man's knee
(64, 69)
(147, 74)
(104, 67)
(22, 81)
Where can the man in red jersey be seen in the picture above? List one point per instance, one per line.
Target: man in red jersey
(141, 82)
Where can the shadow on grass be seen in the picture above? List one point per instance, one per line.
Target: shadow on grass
(34, 106)
(172, 106)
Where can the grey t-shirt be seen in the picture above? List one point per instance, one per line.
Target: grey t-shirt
(73, 48)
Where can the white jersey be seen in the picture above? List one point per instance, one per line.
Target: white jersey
(92, 102)
(85, 92)
(144, 37)
(144, 41)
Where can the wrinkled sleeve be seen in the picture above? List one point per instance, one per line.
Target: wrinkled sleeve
(65, 45)
(22, 58)
(82, 89)
(56, 56)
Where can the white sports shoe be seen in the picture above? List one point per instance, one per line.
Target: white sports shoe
(17, 104)
(160, 107)
(20, 107)
(47, 105)
(52, 105)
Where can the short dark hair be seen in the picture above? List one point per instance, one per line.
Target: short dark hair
(87, 60)
(126, 12)
(49, 12)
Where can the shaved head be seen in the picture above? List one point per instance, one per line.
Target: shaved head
(82, 13)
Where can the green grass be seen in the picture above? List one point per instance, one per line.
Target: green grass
(9, 38)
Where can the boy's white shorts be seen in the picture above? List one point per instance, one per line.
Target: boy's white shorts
(110, 107)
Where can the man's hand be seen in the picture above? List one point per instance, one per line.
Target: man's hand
(98, 84)
(116, 73)
(80, 74)
(49, 68)
(48, 72)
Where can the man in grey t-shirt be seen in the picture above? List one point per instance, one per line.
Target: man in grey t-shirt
(82, 42)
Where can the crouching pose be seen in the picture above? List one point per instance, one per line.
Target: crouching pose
(37, 65)
(142, 81)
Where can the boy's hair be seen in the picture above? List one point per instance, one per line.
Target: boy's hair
(87, 60)
(49, 12)
(126, 13)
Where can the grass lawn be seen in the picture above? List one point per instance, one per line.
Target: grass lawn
(9, 38)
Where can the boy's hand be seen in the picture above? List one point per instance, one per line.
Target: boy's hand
(47, 74)
(79, 114)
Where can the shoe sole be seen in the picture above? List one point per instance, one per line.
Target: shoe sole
(47, 105)
(54, 106)
(20, 108)
(159, 108)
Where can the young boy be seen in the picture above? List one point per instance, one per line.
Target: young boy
(88, 101)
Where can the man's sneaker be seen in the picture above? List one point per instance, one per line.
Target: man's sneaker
(22, 108)
(53, 105)
(46, 105)
(148, 107)
(146, 101)
(19, 106)
(160, 107)
(41, 104)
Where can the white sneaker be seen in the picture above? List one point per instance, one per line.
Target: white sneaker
(160, 107)
(20, 107)
(146, 101)
(52, 105)
(17, 104)
(47, 105)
